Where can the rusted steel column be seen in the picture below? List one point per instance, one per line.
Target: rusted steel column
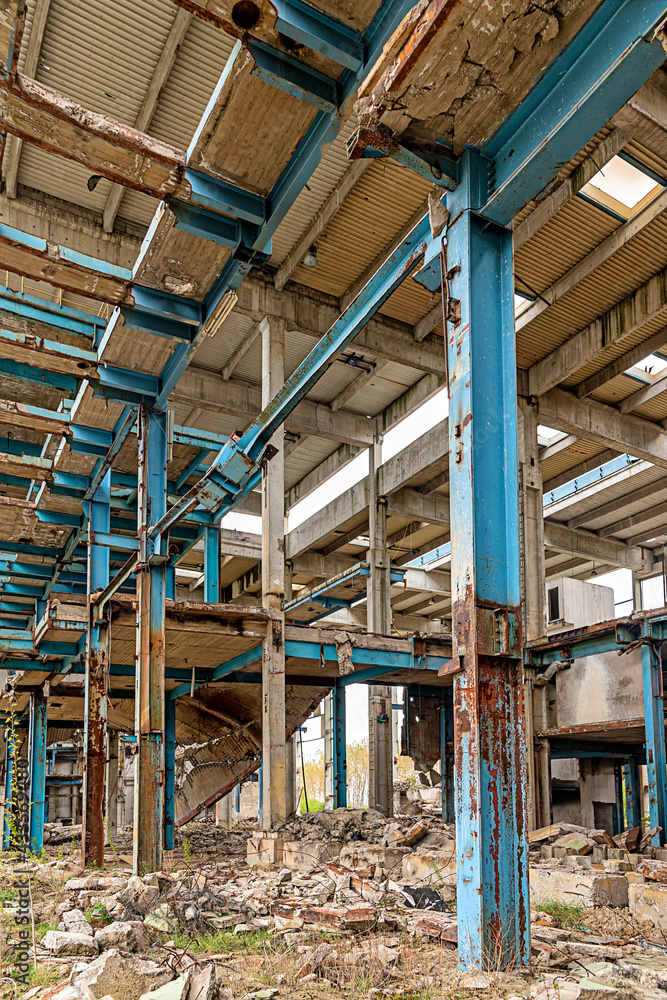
(97, 671)
(274, 797)
(489, 723)
(150, 670)
(380, 697)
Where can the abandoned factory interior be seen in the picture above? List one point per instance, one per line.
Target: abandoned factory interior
(333, 499)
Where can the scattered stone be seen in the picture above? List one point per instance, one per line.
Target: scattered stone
(69, 943)
(130, 935)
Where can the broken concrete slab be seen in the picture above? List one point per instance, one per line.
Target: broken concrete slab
(589, 889)
(309, 856)
(429, 867)
(648, 901)
(114, 974)
(69, 943)
(130, 935)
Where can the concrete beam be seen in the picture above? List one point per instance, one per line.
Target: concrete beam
(357, 618)
(313, 313)
(604, 425)
(643, 395)
(585, 267)
(620, 365)
(357, 385)
(429, 322)
(411, 503)
(566, 441)
(39, 115)
(613, 506)
(616, 326)
(549, 206)
(393, 476)
(30, 64)
(632, 521)
(211, 392)
(587, 545)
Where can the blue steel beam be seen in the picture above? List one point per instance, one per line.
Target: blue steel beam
(612, 56)
(37, 769)
(50, 313)
(236, 467)
(320, 32)
(490, 753)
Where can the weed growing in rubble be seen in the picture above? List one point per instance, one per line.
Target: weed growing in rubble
(107, 830)
(187, 851)
(566, 914)
(222, 941)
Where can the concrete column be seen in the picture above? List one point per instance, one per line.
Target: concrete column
(169, 773)
(96, 689)
(112, 783)
(150, 657)
(380, 743)
(290, 776)
(533, 603)
(636, 592)
(274, 797)
(329, 751)
(223, 812)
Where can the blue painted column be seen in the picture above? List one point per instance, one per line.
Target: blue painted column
(96, 686)
(150, 673)
(633, 792)
(169, 772)
(655, 738)
(171, 583)
(236, 814)
(37, 769)
(260, 796)
(211, 565)
(489, 724)
(339, 748)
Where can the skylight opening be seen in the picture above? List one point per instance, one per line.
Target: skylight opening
(652, 364)
(546, 432)
(621, 182)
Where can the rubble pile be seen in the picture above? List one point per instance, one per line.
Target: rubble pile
(350, 904)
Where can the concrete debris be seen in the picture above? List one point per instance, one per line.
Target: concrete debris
(347, 897)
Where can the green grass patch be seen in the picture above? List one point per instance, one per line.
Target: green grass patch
(42, 928)
(222, 941)
(566, 914)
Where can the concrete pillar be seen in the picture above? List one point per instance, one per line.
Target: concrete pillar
(533, 606)
(274, 804)
(636, 592)
(329, 751)
(380, 742)
(290, 776)
(633, 793)
(169, 773)
(112, 784)
(150, 658)
(223, 812)
(96, 689)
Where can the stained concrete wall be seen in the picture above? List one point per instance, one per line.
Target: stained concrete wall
(600, 688)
